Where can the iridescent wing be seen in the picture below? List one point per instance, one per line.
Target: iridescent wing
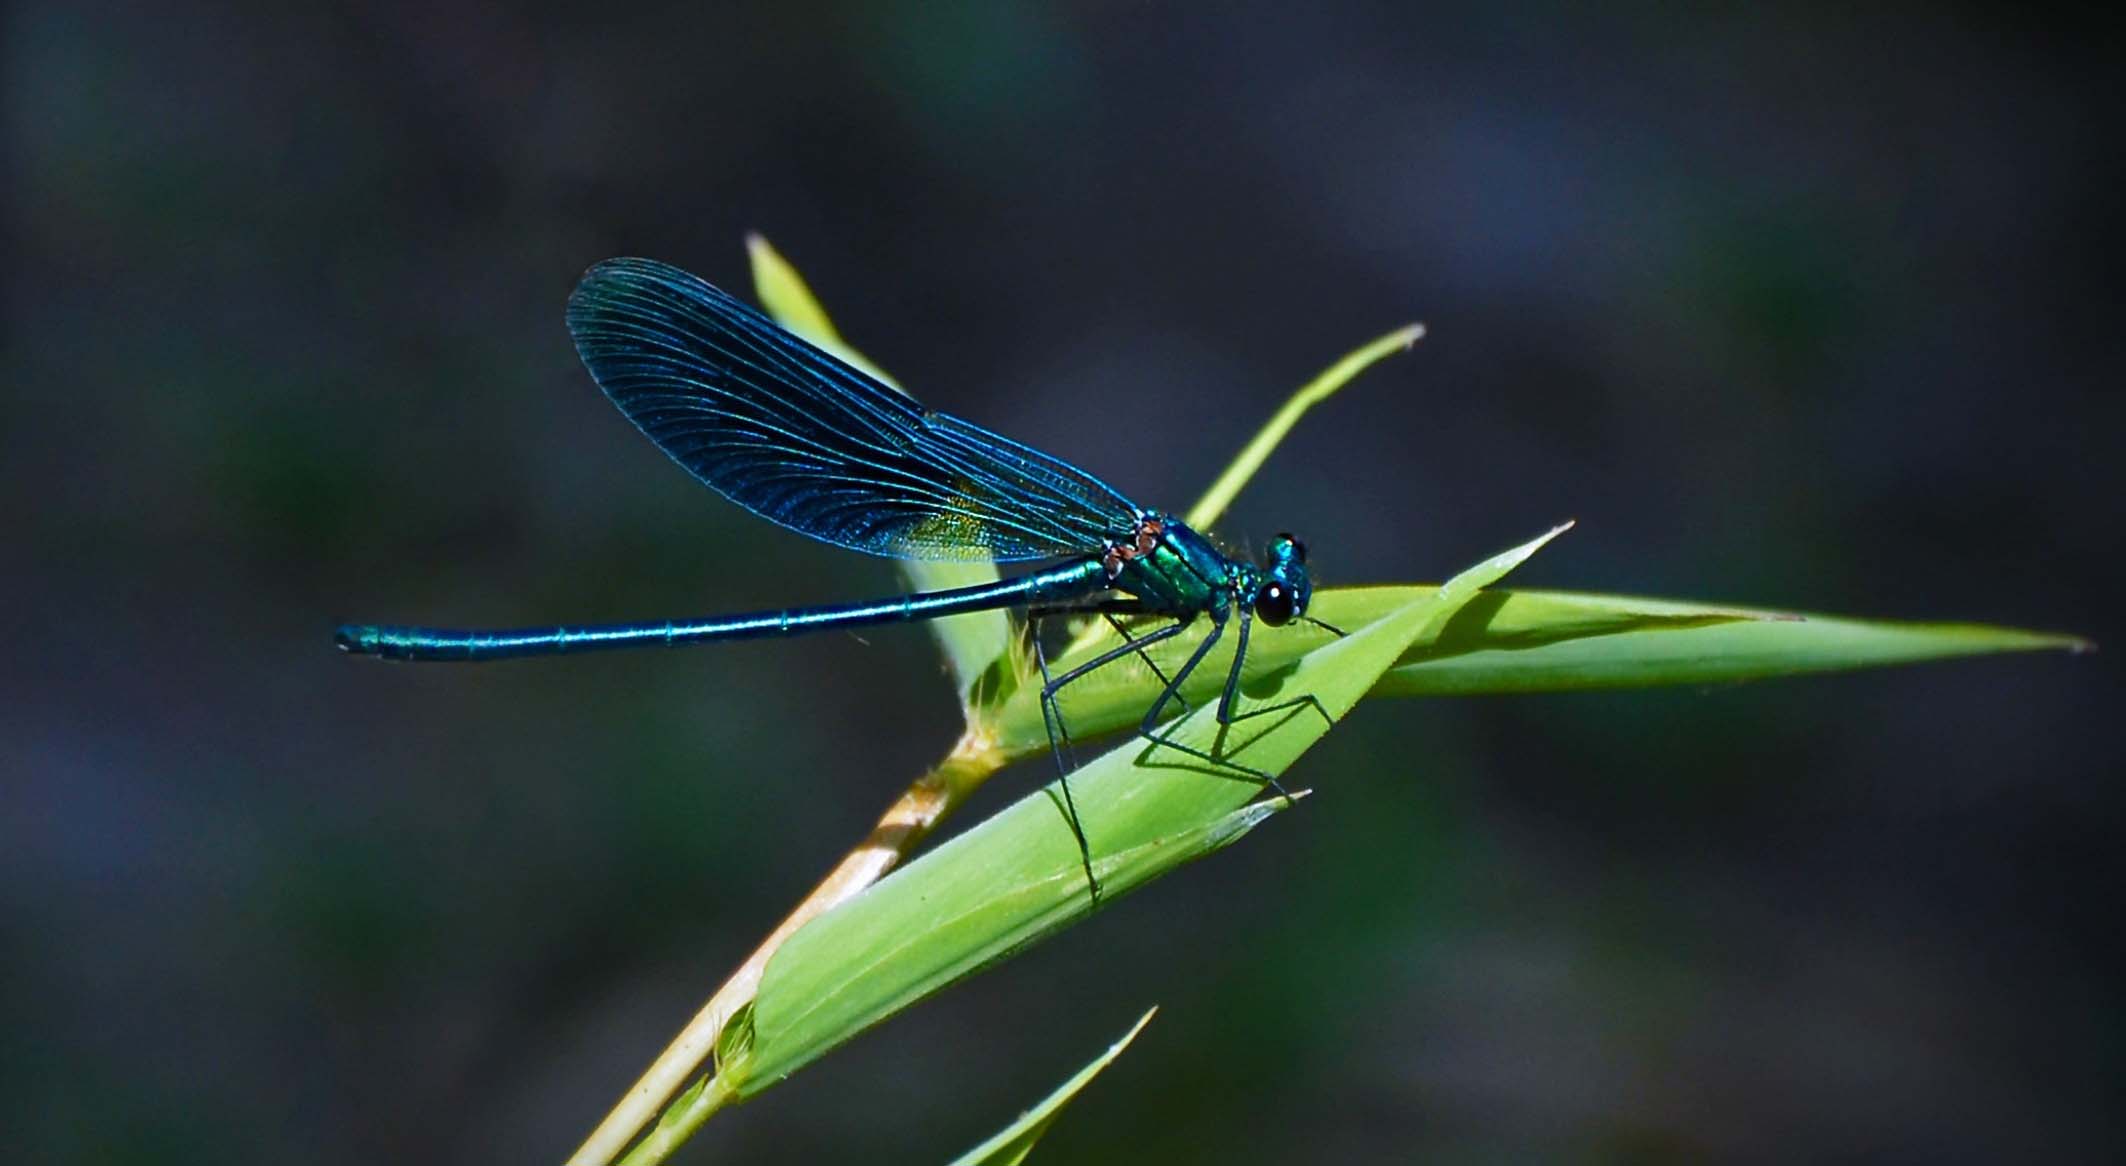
(802, 439)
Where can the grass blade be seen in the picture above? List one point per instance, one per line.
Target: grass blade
(1010, 1145)
(1532, 641)
(1014, 879)
(1547, 641)
(1257, 451)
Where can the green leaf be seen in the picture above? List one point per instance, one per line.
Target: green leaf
(1523, 641)
(1551, 641)
(1011, 1144)
(973, 644)
(1015, 879)
(1257, 451)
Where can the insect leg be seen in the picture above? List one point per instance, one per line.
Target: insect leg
(1059, 732)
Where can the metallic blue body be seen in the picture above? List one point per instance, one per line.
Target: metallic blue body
(1182, 574)
(800, 438)
(804, 440)
(1058, 585)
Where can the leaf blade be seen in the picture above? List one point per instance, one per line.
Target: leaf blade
(1671, 647)
(1015, 878)
(1010, 1145)
(1515, 641)
(1211, 506)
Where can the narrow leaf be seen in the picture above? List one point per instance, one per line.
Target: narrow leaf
(1257, 451)
(1010, 1145)
(1533, 641)
(1015, 878)
(1525, 642)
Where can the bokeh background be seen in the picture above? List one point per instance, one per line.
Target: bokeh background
(1811, 306)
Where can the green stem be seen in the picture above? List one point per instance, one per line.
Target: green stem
(679, 1123)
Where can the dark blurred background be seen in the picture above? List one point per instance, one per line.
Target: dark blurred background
(1806, 306)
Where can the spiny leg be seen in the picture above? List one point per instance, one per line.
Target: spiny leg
(1151, 731)
(1108, 610)
(1051, 686)
(1065, 757)
(1231, 697)
(1150, 663)
(1227, 716)
(1058, 746)
(1325, 626)
(1111, 610)
(1172, 691)
(1059, 732)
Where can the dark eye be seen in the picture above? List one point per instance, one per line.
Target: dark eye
(1299, 549)
(1273, 604)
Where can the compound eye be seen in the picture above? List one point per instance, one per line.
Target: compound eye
(1298, 549)
(1273, 604)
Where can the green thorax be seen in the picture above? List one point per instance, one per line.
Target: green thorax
(1179, 572)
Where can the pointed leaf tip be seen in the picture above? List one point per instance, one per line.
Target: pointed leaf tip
(1325, 384)
(1010, 1145)
(1489, 571)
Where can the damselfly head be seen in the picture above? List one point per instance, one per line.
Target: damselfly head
(1285, 589)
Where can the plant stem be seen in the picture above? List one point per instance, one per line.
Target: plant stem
(666, 1137)
(918, 811)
